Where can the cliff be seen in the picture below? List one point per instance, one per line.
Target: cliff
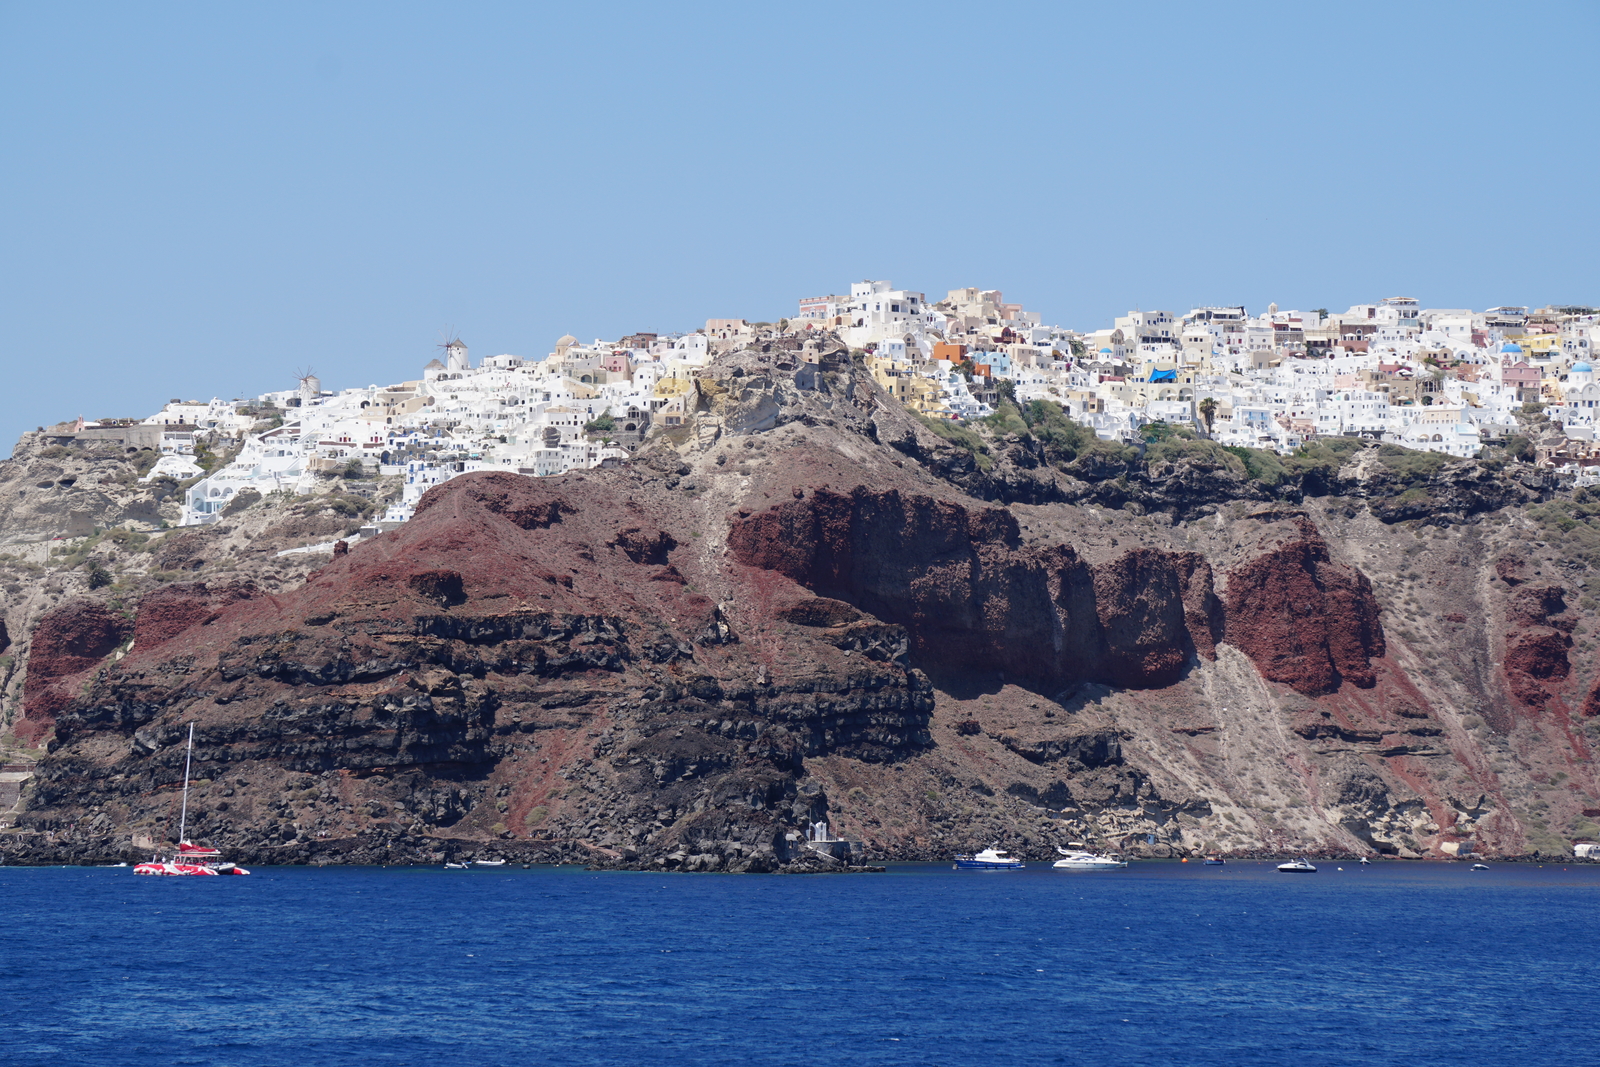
(807, 605)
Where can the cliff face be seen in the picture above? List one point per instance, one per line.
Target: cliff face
(1303, 619)
(973, 597)
(795, 611)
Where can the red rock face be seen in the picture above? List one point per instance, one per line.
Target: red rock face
(1536, 643)
(1591, 703)
(72, 640)
(1512, 570)
(1303, 619)
(972, 598)
(172, 609)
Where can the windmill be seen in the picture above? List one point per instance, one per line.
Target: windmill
(310, 385)
(455, 352)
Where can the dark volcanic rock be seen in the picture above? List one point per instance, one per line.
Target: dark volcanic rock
(507, 624)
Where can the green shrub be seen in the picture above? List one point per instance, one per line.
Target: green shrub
(210, 461)
(99, 577)
(1006, 419)
(957, 434)
(1156, 431)
(1410, 464)
(1064, 440)
(1260, 464)
(604, 424)
(1183, 445)
(345, 504)
(1572, 524)
(242, 499)
(1316, 463)
(133, 540)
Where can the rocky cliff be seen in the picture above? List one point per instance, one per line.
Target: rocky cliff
(807, 605)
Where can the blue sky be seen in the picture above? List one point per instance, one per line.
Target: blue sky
(199, 199)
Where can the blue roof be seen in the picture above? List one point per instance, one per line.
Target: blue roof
(1582, 368)
(1163, 376)
(1511, 346)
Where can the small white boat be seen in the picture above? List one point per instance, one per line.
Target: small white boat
(1479, 867)
(489, 863)
(456, 866)
(1299, 866)
(1072, 860)
(1365, 862)
(990, 859)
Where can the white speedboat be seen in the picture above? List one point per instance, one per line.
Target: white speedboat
(457, 866)
(1299, 866)
(990, 859)
(1072, 860)
(1479, 867)
(489, 863)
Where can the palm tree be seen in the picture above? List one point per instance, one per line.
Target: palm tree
(1208, 411)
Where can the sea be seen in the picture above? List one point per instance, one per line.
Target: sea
(1406, 963)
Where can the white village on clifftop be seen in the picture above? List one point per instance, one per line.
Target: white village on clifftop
(1446, 380)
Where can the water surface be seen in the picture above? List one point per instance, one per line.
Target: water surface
(1401, 963)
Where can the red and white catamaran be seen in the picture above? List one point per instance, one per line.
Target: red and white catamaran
(190, 858)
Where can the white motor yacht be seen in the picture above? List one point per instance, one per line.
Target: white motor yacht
(990, 859)
(1299, 866)
(1072, 860)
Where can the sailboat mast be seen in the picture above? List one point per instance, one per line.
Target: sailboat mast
(183, 819)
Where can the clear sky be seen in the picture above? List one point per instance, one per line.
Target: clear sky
(200, 198)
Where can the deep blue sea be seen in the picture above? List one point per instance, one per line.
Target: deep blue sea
(1163, 963)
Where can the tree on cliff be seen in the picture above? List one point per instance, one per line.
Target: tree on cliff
(1208, 411)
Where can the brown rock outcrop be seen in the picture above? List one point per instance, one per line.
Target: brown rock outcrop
(172, 609)
(971, 597)
(1536, 643)
(73, 639)
(1303, 619)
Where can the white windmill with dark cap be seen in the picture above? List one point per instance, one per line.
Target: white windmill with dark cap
(455, 356)
(310, 386)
